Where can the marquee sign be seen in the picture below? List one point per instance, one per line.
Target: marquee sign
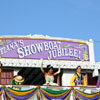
(20, 48)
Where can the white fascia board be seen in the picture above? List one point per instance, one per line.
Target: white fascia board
(54, 63)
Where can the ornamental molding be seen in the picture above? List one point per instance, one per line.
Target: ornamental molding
(54, 63)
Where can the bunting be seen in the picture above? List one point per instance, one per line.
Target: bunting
(86, 96)
(48, 94)
(51, 94)
(20, 95)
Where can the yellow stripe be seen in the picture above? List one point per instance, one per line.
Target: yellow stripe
(9, 96)
(53, 94)
(68, 95)
(15, 99)
(43, 95)
(32, 96)
(0, 92)
(21, 93)
(76, 96)
(56, 95)
(79, 97)
(87, 95)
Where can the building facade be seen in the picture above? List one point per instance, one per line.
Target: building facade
(21, 55)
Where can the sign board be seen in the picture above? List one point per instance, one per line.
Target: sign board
(28, 48)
